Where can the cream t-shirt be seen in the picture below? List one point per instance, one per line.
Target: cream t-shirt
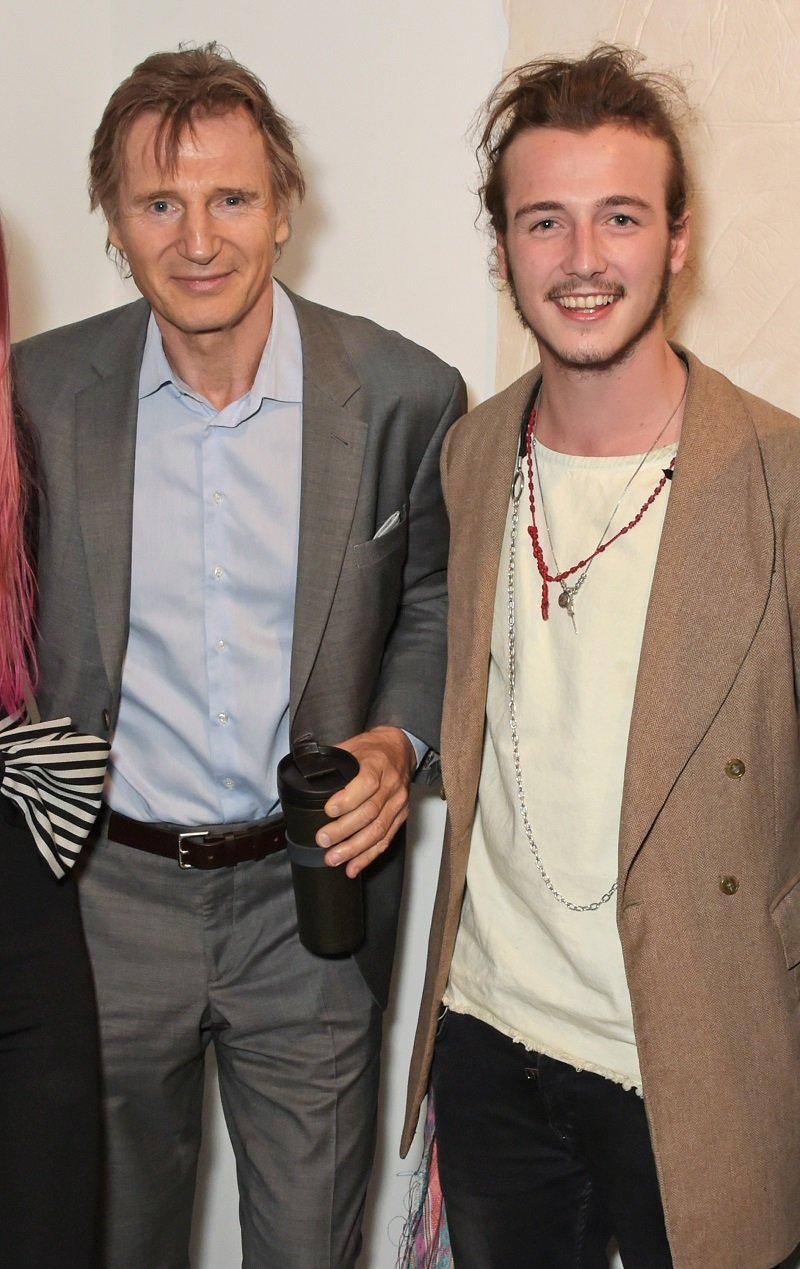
(525, 963)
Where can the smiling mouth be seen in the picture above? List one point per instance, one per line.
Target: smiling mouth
(203, 279)
(587, 302)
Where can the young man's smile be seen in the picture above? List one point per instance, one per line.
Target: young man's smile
(588, 251)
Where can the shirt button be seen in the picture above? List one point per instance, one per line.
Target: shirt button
(735, 769)
(729, 885)
(222, 717)
(220, 645)
(229, 783)
(218, 571)
(217, 496)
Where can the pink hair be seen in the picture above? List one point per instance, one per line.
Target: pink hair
(17, 583)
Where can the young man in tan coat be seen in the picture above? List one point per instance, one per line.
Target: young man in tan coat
(616, 937)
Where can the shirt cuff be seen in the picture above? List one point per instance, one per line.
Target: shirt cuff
(419, 746)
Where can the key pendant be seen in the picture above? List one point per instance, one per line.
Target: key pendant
(567, 600)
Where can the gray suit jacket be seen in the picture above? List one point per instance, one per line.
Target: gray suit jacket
(369, 628)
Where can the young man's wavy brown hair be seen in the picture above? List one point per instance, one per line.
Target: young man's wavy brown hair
(603, 87)
(189, 84)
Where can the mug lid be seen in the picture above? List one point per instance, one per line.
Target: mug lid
(312, 772)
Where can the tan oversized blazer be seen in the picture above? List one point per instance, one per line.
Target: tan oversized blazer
(709, 852)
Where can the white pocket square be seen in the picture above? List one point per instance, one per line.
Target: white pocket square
(389, 524)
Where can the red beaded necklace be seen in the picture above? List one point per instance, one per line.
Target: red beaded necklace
(603, 545)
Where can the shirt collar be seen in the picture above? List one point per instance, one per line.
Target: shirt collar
(280, 372)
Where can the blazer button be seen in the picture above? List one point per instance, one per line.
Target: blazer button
(735, 769)
(106, 719)
(729, 885)
(442, 794)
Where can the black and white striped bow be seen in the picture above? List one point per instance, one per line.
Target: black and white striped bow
(55, 776)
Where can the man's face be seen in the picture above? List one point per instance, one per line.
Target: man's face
(200, 241)
(588, 252)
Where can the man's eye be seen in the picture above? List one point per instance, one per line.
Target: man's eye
(234, 200)
(622, 219)
(547, 223)
(159, 205)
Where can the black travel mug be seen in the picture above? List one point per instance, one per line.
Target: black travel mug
(330, 905)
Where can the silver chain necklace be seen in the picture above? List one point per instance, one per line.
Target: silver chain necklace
(569, 592)
(566, 600)
(516, 493)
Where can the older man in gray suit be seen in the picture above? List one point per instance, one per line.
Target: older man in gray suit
(243, 540)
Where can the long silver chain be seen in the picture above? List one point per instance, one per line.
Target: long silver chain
(516, 493)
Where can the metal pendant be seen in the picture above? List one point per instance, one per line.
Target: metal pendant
(567, 600)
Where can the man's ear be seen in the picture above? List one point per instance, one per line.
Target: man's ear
(680, 237)
(112, 233)
(282, 229)
(502, 257)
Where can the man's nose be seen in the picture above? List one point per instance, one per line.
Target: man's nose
(585, 255)
(200, 239)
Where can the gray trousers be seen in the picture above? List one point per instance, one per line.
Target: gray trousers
(184, 958)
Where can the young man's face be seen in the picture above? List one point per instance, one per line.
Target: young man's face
(588, 251)
(200, 241)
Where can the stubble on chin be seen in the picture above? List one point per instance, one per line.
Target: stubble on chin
(591, 360)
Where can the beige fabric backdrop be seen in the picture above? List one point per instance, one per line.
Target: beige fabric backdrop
(741, 308)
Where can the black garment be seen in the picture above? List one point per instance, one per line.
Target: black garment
(49, 1071)
(540, 1164)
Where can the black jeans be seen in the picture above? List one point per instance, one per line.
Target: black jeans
(49, 1080)
(541, 1165)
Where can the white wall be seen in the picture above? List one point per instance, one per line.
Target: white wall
(384, 94)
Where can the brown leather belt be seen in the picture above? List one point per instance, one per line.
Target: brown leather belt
(200, 847)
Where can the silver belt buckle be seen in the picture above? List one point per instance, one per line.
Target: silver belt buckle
(183, 851)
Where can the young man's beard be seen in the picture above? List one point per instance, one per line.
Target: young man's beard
(591, 361)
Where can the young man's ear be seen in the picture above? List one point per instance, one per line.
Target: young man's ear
(502, 258)
(679, 243)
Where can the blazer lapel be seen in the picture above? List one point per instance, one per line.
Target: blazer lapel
(106, 444)
(333, 444)
(334, 441)
(709, 595)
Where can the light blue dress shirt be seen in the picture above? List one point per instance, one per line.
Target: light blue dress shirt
(204, 712)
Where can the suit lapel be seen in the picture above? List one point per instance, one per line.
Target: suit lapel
(106, 444)
(334, 442)
(709, 595)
